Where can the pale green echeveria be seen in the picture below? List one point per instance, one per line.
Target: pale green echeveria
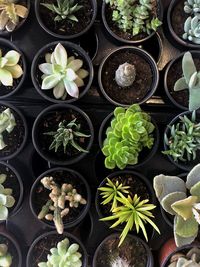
(64, 255)
(190, 81)
(63, 74)
(9, 67)
(192, 29)
(171, 192)
(192, 6)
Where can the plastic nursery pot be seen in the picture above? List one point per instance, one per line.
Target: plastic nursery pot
(133, 251)
(6, 91)
(72, 50)
(41, 248)
(48, 120)
(176, 18)
(40, 195)
(119, 35)
(145, 155)
(13, 248)
(146, 81)
(172, 74)
(15, 140)
(186, 166)
(66, 29)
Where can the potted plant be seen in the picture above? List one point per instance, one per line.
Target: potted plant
(128, 75)
(128, 138)
(51, 249)
(13, 14)
(60, 198)
(130, 22)
(13, 131)
(62, 72)
(133, 252)
(66, 19)
(12, 69)
(181, 140)
(126, 192)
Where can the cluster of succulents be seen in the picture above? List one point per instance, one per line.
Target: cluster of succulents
(191, 258)
(192, 6)
(134, 17)
(66, 135)
(65, 254)
(63, 74)
(5, 256)
(125, 75)
(130, 131)
(61, 199)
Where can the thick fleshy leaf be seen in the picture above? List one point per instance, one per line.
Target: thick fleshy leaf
(169, 199)
(193, 80)
(70, 75)
(2, 178)
(188, 228)
(188, 66)
(21, 11)
(195, 191)
(184, 207)
(82, 73)
(10, 201)
(187, 24)
(46, 68)
(180, 85)
(71, 88)
(193, 177)
(194, 95)
(3, 62)
(3, 19)
(3, 213)
(16, 71)
(73, 248)
(60, 55)
(79, 82)
(50, 81)
(75, 64)
(2, 199)
(48, 57)
(6, 77)
(59, 90)
(12, 57)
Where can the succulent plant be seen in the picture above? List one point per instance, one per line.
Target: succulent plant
(63, 74)
(190, 81)
(65, 254)
(61, 199)
(66, 135)
(191, 258)
(192, 29)
(130, 131)
(183, 140)
(5, 256)
(7, 123)
(119, 262)
(10, 14)
(125, 75)
(64, 10)
(6, 198)
(192, 6)
(171, 192)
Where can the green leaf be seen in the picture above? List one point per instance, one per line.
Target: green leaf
(188, 66)
(3, 213)
(184, 207)
(180, 85)
(186, 228)
(171, 198)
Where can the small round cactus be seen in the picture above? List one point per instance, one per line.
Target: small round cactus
(125, 75)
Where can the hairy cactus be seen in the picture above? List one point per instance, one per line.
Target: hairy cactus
(5, 256)
(125, 75)
(65, 254)
(192, 29)
(119, 262)
(63, 74)
(192, 6)
(7, 123)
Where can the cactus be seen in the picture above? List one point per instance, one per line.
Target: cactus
(192, 29)
(171, 192)
(7, 123)
(125, 75)
(192, 6)
(119, 262)
(5, 256)
(63, 74)
(65, 254)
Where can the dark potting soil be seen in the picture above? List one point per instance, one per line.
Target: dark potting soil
(131, 251)
(11, 249)
(41, 195)
(127, 35)
(43, 246)
(14, 139)
(67, 27)
(142, 84)
(50, 123)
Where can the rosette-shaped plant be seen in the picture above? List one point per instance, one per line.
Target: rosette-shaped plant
(130, 131)
(192, 29)
(171, 192)
(192, 6)
(63, 74)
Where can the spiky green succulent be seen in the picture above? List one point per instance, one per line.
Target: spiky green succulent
(192, 6)
(192, 29)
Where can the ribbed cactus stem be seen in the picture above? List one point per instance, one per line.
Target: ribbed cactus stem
(125, 75)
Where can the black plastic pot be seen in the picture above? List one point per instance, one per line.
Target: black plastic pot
(8, 157)
(7, 45)
(143, 159)
(80, 181)
(150, 261)
(125, 41)
(36, 141)
(47, 239)
(59, 36)
(74, 49)
(143, 54)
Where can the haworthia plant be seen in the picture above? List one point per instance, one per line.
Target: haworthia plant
(192, 29)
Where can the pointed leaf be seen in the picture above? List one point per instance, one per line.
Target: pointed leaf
(184, 207)
(193, 176)
(188, 66)
(169, 199)
(50, 81)
(12, 57)
(71, 88)
(180, 85)
(16, 71)
(46, 68)
(60, 55)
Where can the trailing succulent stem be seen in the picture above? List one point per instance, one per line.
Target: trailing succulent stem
(61, 200)
(125, 75)
(190, 259)
(5, 256)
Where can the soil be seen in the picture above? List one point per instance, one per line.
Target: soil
(11, 249)
(43, 246)
(67, 27)
(14, 139)
(127, 35)
(50, 123)
(41, 195)
(131, 251)
(142, 84)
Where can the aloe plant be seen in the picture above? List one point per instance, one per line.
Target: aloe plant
(171, 192)
(5, 256)
(192, 29)
(125, 75)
